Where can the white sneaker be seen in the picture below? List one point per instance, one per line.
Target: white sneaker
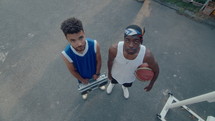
(84, 96)
(110, 87)
(102, 88)
(125, 92)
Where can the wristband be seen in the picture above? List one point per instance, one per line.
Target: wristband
(98, 74)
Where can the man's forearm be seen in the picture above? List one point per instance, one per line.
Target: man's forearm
(76, 75)
(155, 77)
(98, 67)
(110, 64)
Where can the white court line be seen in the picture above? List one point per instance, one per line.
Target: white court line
(3, 56)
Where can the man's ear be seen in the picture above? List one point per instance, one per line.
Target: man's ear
(143, 30)
(66, 38)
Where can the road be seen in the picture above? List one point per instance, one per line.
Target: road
(35, 84)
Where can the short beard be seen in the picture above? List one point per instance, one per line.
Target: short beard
(134, 51)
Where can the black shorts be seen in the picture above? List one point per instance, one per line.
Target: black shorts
(114, 81)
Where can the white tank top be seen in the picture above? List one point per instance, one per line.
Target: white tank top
(123, 69)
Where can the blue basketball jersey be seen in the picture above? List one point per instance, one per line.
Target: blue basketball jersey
(84, 63)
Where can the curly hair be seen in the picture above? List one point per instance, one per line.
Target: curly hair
(71, 26)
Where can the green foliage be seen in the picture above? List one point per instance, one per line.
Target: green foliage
(184, 5)
(201, 1)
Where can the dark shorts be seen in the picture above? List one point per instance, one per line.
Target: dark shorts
(114, 81)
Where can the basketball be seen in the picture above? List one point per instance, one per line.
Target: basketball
(144, 73)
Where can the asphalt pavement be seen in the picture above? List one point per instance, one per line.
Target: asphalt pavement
(35, 84)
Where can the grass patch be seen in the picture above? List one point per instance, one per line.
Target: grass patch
(201, 1)
(184, 5)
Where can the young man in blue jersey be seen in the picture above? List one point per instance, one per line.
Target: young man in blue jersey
(82, 55)
(124, 58)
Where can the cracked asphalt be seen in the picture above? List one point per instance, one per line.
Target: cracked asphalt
(35, 84)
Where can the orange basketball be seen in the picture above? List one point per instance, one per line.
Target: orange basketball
(144, 73)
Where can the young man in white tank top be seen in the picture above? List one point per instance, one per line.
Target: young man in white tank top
(124, 58)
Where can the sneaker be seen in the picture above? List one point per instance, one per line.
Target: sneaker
(102, 88)
(125, 92)
(110, 87)
(84, 96)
